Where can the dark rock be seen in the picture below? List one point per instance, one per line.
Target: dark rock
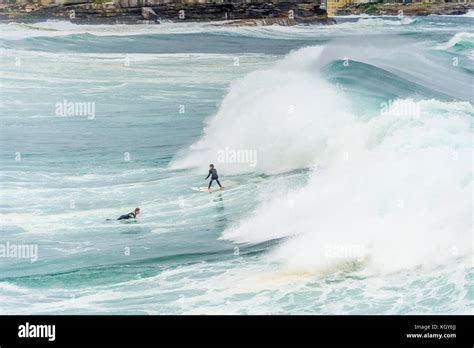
(408, 9)
(254, 12)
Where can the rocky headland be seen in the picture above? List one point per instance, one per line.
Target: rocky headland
(158, 11)
(224, 12)
(407, 9)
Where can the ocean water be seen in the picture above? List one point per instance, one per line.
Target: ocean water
(351, 192)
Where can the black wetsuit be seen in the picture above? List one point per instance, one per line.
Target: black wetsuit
(214, 176)
(127, 216)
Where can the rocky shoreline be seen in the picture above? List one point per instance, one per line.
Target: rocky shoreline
(249, 13)
(156, 12)
(406, 9)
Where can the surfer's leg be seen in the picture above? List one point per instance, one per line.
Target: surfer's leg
(217, 180)
(210, 183)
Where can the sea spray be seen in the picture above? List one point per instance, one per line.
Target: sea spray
(403, 195)
(286, 113)
(396, 186)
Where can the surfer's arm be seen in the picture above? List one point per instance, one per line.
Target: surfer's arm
(208, 174)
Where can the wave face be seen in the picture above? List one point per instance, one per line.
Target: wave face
(461, 41)
(346, 151)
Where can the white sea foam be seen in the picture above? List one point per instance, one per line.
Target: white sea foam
(20, 31)
(367, 21)
(114, 57)
(457, 38)
(469, 14)
(273, 119)
(397, 188)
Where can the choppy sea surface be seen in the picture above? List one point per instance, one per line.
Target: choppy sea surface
(346, 152)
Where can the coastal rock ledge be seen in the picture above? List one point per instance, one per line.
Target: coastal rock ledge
(235, 13)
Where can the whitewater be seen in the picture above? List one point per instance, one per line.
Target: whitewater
(351, 194)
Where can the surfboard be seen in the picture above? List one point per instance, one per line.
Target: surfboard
(205, 189)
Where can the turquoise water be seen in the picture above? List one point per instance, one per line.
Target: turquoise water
(344, 209)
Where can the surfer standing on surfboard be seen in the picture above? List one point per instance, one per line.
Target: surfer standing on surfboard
(214, 176)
